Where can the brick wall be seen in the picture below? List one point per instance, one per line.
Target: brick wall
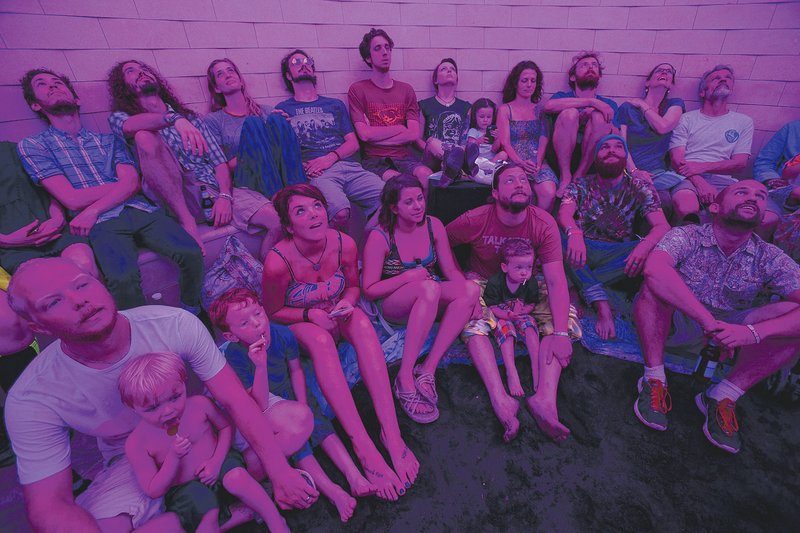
(82, 38)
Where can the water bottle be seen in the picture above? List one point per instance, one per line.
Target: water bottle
(706, 364)
(207, 204)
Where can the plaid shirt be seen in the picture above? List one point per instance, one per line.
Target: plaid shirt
(202, 166)
(87, 160)
(745, 279)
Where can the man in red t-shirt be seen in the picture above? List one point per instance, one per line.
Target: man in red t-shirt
(484, 229)
(385, 114)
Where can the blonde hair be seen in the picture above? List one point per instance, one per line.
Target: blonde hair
(142, 377)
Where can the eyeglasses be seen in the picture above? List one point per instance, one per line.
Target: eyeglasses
(667, 70)
(302, 60)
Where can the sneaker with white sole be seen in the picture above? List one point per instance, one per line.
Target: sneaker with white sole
(653, 403)
(721, 427)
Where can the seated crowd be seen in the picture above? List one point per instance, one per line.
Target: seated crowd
(583, 194)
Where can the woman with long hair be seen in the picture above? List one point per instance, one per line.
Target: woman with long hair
(409, 268)
(311, 285)
(647, 124)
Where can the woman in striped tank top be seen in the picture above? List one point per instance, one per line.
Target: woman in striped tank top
(409, 268)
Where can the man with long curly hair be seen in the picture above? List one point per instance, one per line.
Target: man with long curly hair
(178, 154)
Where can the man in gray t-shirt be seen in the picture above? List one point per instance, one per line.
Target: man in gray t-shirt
(73, 384)
(328, 143)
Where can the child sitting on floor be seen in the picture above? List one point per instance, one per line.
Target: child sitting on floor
(181, 448)
(260, 352)
(512, 294)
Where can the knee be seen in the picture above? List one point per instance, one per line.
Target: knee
(568, 117)
(81, 254)
(147, 142)
(430, 290)
(341, 218)
(422, 172)
(296, 422)
(472, 292)
(233, 478)
(685, 203)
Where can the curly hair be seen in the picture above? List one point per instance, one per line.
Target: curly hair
(515, 247)
(366, 41)
(218, 99)
(281, 201)
(123, 98)
(390, 196)
(510, 87)
(577, 59)
(27, 87)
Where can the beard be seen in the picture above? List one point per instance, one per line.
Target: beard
(720, 93)
(587, 83)
(307, 77)
(60, 109)
(733, 219)
(149, 88)
(609, 169)
(513, 206)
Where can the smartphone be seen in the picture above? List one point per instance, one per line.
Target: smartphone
(34, 230)
(339, 312)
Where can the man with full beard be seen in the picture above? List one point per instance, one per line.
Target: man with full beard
(328, 144)
(583, 117)
(716, 281)
(178, 154)
(597, 213)
(484, 229)
(72, 384)
(708, 145)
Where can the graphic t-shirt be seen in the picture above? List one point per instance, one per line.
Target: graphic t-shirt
(648, 147)
(710, 139)
(484, 233)
(56, 393)
(383, 107)
(320, 125)
(608, 214)
(446, 123)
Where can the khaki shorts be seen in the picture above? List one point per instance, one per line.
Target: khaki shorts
(246, 202)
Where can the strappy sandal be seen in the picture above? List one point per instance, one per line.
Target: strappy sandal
(409, 402)
(426, 378)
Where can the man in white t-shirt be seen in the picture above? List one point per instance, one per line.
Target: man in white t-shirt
(708, 145)
(72, 384)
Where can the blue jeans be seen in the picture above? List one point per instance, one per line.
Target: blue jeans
(116, 243)
(605, 264)
(269, 156)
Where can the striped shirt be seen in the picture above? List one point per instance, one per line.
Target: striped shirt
(202, 166)
(87, 160)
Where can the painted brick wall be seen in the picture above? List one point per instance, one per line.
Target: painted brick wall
(82, 38)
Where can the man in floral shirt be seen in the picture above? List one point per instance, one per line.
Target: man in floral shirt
(598, 213)
(716, 281)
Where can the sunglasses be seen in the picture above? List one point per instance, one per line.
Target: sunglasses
(302, 60)
(668, 70)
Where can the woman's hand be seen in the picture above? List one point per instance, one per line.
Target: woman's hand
(321, 319)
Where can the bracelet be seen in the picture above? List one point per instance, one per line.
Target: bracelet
(305, 314)
(338, 157)
(572, 230)
(756, 336)
(171, 117)
(226, 196)
(560, 334)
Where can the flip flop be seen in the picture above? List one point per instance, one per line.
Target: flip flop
(426, 378)
(409, 402)
(305, 475)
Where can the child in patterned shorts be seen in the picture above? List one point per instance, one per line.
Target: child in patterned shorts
(512, 294)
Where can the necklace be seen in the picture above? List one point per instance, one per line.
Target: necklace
(446, 103)
(316, 265)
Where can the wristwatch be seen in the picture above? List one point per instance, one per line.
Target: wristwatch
(171, 117)
(560, 334)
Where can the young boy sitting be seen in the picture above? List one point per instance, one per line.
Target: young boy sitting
(512, 298)
(265, 356)
(181, 448)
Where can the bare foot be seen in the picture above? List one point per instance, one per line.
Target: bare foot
(240, 514)
(404, 461)
(506, 410)
(388, 486)
(360, 487)
(344, 503)
(605, 321)
(514, 385)
(191, 228)
(546, 418)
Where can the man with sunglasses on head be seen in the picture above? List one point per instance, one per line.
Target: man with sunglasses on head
(327, 142)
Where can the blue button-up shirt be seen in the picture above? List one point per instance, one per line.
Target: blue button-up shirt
(87, 160)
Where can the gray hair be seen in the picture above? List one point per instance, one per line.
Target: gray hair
(706, 74)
